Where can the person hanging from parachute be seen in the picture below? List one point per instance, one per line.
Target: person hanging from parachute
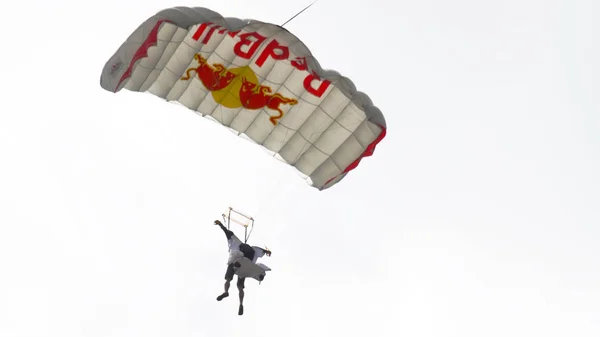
(241, 262)
(238, 72)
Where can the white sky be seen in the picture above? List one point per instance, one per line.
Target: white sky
(477, 216)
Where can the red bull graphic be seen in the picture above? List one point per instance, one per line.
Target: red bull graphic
(238, 84)
(254, 96)
(250, 93)
(248, 45)
(215, 77)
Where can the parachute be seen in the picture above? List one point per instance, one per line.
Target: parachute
(256, 79)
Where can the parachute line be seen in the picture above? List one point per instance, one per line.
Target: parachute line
(247, 221)
(300, 12)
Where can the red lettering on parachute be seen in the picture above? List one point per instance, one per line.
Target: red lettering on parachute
(202, 28)
(308, 80)
(270, 50)
(300, 64)
(200, 31)
(249, 44)
(233, 34)
(246, 41)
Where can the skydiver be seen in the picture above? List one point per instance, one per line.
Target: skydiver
(237, 248)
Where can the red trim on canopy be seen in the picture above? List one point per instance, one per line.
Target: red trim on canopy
(142, 51)
(368, 152)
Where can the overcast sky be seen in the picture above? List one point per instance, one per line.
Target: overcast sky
(478, 214)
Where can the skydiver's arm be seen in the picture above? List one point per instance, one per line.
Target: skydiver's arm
(228, 233)
(260, 252)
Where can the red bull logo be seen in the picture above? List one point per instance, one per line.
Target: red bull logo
(254, 96)
(238, 87)
(215, 77)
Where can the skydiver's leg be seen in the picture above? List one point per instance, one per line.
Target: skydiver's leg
(240, 286)
(226, 287)
(228, 277)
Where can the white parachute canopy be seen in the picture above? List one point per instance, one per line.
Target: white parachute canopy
(256, 79)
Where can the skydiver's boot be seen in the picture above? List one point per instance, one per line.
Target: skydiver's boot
(241, 310)
(222, 296)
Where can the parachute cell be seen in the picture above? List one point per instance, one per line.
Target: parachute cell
(256, 79)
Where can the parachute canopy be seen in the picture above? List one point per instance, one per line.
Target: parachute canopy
(258, 80)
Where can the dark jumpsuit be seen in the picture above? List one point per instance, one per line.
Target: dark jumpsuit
(248, 253)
